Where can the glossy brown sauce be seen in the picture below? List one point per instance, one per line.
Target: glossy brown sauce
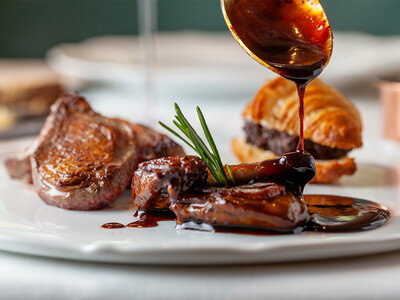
(151, 218)
(146, 223)
(301, 89)
(147, 219)
(288, 36)
(344, 214)
(328, 213)
(112, 225)
(291, 37)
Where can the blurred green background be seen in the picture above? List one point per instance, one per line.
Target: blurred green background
(29, 28)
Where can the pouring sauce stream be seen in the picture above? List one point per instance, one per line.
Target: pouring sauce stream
(292, 38)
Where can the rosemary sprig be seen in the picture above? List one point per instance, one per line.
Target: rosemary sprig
(194, 141)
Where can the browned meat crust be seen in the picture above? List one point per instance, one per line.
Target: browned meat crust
(265, 205)
(82, 160)
(86, 160)
(155, 181)
(180, 184)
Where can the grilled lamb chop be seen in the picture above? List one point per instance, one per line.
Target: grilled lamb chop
(266, 205)
(157, 182)
(82, 160)
(184, 185)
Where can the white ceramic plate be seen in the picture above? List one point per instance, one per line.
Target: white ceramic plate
(29, 226)
(189, 57)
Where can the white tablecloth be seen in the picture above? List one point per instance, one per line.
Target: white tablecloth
(370, 277)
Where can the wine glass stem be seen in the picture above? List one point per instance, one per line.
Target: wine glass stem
(147, 28)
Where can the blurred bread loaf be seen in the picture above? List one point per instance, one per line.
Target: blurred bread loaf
(27, 88)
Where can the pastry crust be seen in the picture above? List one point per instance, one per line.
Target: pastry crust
(330, 119)
(328, 171)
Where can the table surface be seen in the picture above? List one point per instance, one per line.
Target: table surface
(368, 277)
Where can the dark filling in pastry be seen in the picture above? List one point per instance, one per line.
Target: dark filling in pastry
(281, 142)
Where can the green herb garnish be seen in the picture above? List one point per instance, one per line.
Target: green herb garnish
(210, 157)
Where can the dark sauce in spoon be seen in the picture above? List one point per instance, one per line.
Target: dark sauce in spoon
(291, 37)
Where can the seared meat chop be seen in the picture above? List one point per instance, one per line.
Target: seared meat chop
(183, 185)
(82, 160)
(266, 205)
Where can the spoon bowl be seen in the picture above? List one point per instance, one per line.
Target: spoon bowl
(291, 37)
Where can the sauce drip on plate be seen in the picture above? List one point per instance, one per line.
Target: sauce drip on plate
(113, 225)
(344, 214)
(146, 219)
(328, 213)
(151, 218)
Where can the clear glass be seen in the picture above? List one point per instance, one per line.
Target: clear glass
(147, 17)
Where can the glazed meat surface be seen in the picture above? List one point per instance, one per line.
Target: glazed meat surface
(82, 160)
(295, 169)
(266, 205)
(86, 160)
(281, 142)
(158, 182)
(184, 185)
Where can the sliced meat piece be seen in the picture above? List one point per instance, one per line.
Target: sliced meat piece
(266, 205)
(82, 160)
(150, 144)
(180, 184)
(85, 160)
(155, 182)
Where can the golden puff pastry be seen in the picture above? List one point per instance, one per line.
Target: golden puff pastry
(332, 127)
(329, 118)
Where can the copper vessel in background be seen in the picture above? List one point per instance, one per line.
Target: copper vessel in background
(389, 89)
